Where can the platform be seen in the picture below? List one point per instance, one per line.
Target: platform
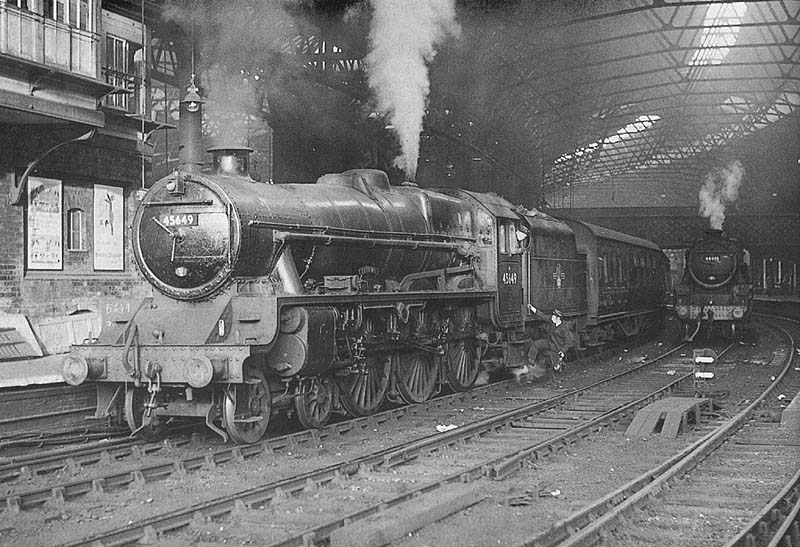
(36, 371)
(31, 353)
(670, 414)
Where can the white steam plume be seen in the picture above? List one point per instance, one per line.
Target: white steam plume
(720, 187)
(403, 40)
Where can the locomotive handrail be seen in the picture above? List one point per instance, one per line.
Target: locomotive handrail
(195, 202)
(353, 232)
(413, 244)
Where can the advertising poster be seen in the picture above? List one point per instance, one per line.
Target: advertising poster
(44, 224)
(108, 228)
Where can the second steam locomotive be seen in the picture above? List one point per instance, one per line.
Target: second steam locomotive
(716, 289)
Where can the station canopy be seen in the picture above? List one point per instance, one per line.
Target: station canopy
(618, 86)
(596, 89)
(591, 89)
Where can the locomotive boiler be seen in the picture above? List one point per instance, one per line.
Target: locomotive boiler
(716, 289)
(298, 282)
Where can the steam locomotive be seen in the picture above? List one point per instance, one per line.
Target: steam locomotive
(341, 295)
(338, 296)
(716, 289)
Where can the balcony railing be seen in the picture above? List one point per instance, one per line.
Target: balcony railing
(45, 41)
(130, 103)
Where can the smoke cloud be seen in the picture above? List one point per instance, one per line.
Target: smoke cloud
(239, 44)
(720, 188)
(403, 41)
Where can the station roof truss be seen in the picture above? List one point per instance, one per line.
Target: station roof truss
(647, 84)
(593, 89)
(611, 88)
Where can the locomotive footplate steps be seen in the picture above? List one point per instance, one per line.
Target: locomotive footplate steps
(671, 414)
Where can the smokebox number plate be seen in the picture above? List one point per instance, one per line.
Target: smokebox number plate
(188, 219)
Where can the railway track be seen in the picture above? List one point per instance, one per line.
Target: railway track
(728, 475)
(40, 416)
(501, 430)
(157, 460)
(85, 456)
(561, 419)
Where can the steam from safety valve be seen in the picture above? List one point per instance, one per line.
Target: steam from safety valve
(720, 188)
(403, 41)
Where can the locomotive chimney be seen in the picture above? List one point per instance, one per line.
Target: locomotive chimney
(231, 161)
(190, 150)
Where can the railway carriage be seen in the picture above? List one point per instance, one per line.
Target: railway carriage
(627, 278)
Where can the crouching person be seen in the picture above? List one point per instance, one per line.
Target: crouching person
(548, 353)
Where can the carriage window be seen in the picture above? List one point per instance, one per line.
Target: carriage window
(642, 270)
(612, 269)
(603, 270)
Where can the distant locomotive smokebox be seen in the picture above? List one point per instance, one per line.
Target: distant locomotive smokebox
(713, 261)
(716, 289)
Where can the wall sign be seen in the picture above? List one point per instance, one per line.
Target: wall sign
(108, 228)
(44, 224)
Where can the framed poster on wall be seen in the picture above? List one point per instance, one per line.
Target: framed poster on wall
(44, 224)
(108, 228)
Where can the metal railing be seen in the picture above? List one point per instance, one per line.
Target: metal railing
(130, 103)
(42, 40)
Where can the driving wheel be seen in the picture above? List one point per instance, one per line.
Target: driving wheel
(461, 363)
(416, 376)
(314, 407)
(363, 393)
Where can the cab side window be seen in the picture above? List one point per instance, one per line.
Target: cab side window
(512, 237)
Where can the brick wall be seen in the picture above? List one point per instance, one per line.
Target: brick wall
(11, 252)
(44, 294)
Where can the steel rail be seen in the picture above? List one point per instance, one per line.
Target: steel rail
(18, 501)
(487, 468)
(151, 527)
(777, 520)
(76, 459)
(587, 526)
(102, 451)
